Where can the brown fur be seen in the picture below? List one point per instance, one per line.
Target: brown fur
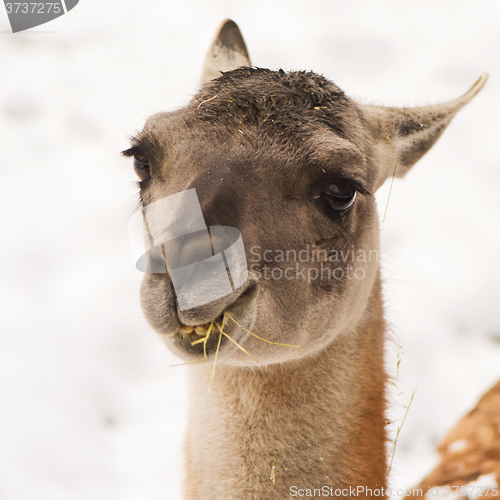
(478, 453)
(261, 147)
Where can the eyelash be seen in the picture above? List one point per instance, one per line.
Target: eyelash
(141, 163)
(131, 151)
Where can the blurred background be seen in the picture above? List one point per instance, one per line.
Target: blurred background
(90, 407)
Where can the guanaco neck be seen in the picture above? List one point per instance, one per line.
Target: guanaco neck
(270, 432)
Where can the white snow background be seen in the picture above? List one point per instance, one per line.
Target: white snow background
(89, 405)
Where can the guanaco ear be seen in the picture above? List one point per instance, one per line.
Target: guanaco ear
(227, 52)
(404, 135)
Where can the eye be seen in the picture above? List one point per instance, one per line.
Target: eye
(141, 166)
(339, 196)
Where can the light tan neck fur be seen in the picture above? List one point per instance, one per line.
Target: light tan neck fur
(319, 421)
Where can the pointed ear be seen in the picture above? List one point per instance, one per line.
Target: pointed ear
(404, 135)
(227, 52)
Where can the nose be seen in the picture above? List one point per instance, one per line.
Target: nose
(206, 265)
(188, 249)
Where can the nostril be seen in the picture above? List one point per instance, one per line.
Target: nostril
(229, 242)
(188, 249)
(214, 312)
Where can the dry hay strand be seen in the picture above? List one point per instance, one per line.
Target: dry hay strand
(220, 327)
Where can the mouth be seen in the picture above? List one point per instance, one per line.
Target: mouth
(204, 339)
(201, 340)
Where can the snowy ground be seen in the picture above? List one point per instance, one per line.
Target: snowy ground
(89, 405)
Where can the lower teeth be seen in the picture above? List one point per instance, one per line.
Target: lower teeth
(200, 331)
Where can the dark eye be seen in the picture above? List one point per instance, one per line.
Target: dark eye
(339, 196)
(141, 166)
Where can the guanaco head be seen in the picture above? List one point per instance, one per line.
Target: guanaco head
(292, 164)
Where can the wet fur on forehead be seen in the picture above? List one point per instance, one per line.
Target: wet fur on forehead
(295, 101)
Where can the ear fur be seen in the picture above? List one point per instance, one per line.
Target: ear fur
(227, 52)
(404, 135)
